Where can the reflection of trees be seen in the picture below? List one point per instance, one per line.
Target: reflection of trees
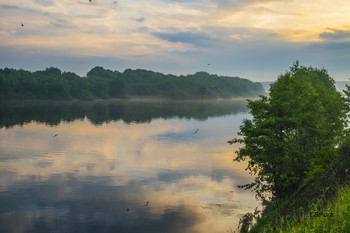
(99, 112)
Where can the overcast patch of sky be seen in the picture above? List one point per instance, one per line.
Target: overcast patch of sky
(255, 38)
(335, 34)
(195, 38)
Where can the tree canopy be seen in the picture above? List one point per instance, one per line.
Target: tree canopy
(294, 132)
(52, 83)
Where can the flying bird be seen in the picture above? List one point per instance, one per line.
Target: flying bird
(22, 24)
(146, 204)
(208, 64)
(55, 135)
(196, 131)
(127, 208)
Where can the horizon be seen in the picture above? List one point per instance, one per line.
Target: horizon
(256, 39)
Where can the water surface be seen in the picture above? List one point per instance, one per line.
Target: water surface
(110, 158)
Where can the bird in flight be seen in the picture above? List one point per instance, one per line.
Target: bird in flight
(146, 204)
(55, 135)
(196, 131)
(22, 24)
(208, 64)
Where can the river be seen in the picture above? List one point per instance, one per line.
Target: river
(121, 166)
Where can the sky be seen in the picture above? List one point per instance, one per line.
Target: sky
(253, 39)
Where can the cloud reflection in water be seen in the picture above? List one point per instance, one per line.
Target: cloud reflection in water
(86, 178)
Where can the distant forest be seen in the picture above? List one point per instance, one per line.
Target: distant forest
(100, 83)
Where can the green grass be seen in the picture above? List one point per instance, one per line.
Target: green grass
(334, 217)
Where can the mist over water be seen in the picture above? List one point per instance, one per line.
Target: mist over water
(121, 166)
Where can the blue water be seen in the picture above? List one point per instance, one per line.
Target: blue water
(99, 172)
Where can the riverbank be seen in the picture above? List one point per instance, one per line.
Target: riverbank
(335, 217)
(324, 214)
(148, 99)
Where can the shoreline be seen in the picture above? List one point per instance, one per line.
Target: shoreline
(131, 99)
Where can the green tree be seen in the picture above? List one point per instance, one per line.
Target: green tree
(294, 131)
(117, 88)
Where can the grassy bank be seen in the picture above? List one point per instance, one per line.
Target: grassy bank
(333, 217)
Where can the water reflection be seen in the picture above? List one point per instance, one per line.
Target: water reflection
(99, 112)
(98, 177)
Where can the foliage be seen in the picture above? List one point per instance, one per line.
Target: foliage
(199, 85)
(103, 83)
(284, 212)
(298, 145)
(334, 217)
(294, 131)
(52, 84)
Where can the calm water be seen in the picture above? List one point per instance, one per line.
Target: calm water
(110, 158)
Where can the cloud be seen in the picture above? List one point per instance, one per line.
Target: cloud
(238, 37)
(183, 37)
(239, 4)
(335, 35)
(181, 1)
(245, 2)
(8, 6)
(14, 11)
(330, 46)
(45, 2)
(333, 40)
(76, 204)
(140, 19)
(62, 23)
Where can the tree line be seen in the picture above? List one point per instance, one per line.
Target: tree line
(101, 83)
